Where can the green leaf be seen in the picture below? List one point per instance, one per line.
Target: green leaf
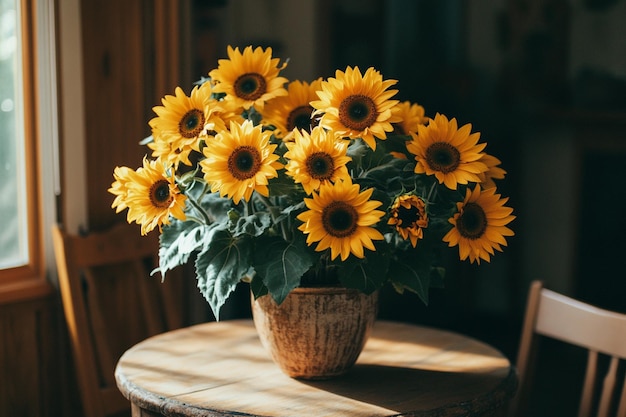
(253, 225)
(418, 269)
(257, 287)
(395, 143)
(437, 275)
(410, 277)
(367, 159)
(216, 207)
(416, 275)
(284, 185)
(220, 266)
(178, 241)
(358, 150)
(367, 274)
(289, 210)
(281, 264)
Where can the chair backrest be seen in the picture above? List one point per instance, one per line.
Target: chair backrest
(111, 302)
(599, 331)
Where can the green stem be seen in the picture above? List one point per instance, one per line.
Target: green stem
(275, 212)
(196, 219)
(198, 207)
(431, 192)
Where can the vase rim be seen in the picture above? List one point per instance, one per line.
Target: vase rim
(325, 290)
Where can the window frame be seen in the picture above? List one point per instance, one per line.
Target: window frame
(28, 281)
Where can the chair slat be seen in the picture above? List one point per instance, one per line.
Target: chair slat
(600, 331)
(621, 410)
(608, 388)
(525, 352)
(154, 323)
(581, 324)
(586, 398)
(99, 330)
(110, 302)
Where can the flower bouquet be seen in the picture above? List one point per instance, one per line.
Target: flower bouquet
(330, 182)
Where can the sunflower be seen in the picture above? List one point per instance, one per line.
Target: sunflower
(123, 177)
(357, 106)
(292, 111)
(317, 158)
(150, 194)
(180, 124)
(452, 155)
(410, 116)
(340, 217)
(239, 161)
(249, 78)
(493, 171)
(408, 214)
(480, 224)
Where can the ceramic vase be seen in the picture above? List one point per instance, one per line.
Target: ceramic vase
(315, 333)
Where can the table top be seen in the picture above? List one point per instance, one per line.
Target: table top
(221, 369)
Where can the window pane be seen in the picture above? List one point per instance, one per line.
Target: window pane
(13, 212)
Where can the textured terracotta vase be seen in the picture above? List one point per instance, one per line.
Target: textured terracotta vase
(316, 333)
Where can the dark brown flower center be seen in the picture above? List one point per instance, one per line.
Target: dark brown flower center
(339, 219)
(443, 157)
(160, 194)
(357, 112)
(250, 86)
(472, 223)
(300, 118)
(191, 124)
(320, 166)
(408, 216)
(244, 162)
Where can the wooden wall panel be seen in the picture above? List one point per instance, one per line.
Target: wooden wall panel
(30, 362)
(132, 57)
(113, 54)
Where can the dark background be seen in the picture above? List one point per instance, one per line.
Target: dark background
(544, 81)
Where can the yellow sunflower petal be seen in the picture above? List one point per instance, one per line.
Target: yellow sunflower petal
(356, 105)
(249, 78)
(479, 225)
(180, 124)
(240, 161)
(292, 111)
(334, 218)
(450, 154)
(316, 158)
(150, 195)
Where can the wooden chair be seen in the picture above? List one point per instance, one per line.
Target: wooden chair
(601, 332)
(110, 303)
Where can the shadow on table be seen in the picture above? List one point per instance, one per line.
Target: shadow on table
(421, 391)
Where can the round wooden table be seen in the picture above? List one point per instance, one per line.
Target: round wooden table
(221, 369)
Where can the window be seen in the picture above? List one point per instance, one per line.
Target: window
(21, 248)
(13, 234)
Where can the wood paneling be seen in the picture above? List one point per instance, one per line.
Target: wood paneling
(128, 63)
(30, 365)
(114, 65)
(131, 56)
(134, 52)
